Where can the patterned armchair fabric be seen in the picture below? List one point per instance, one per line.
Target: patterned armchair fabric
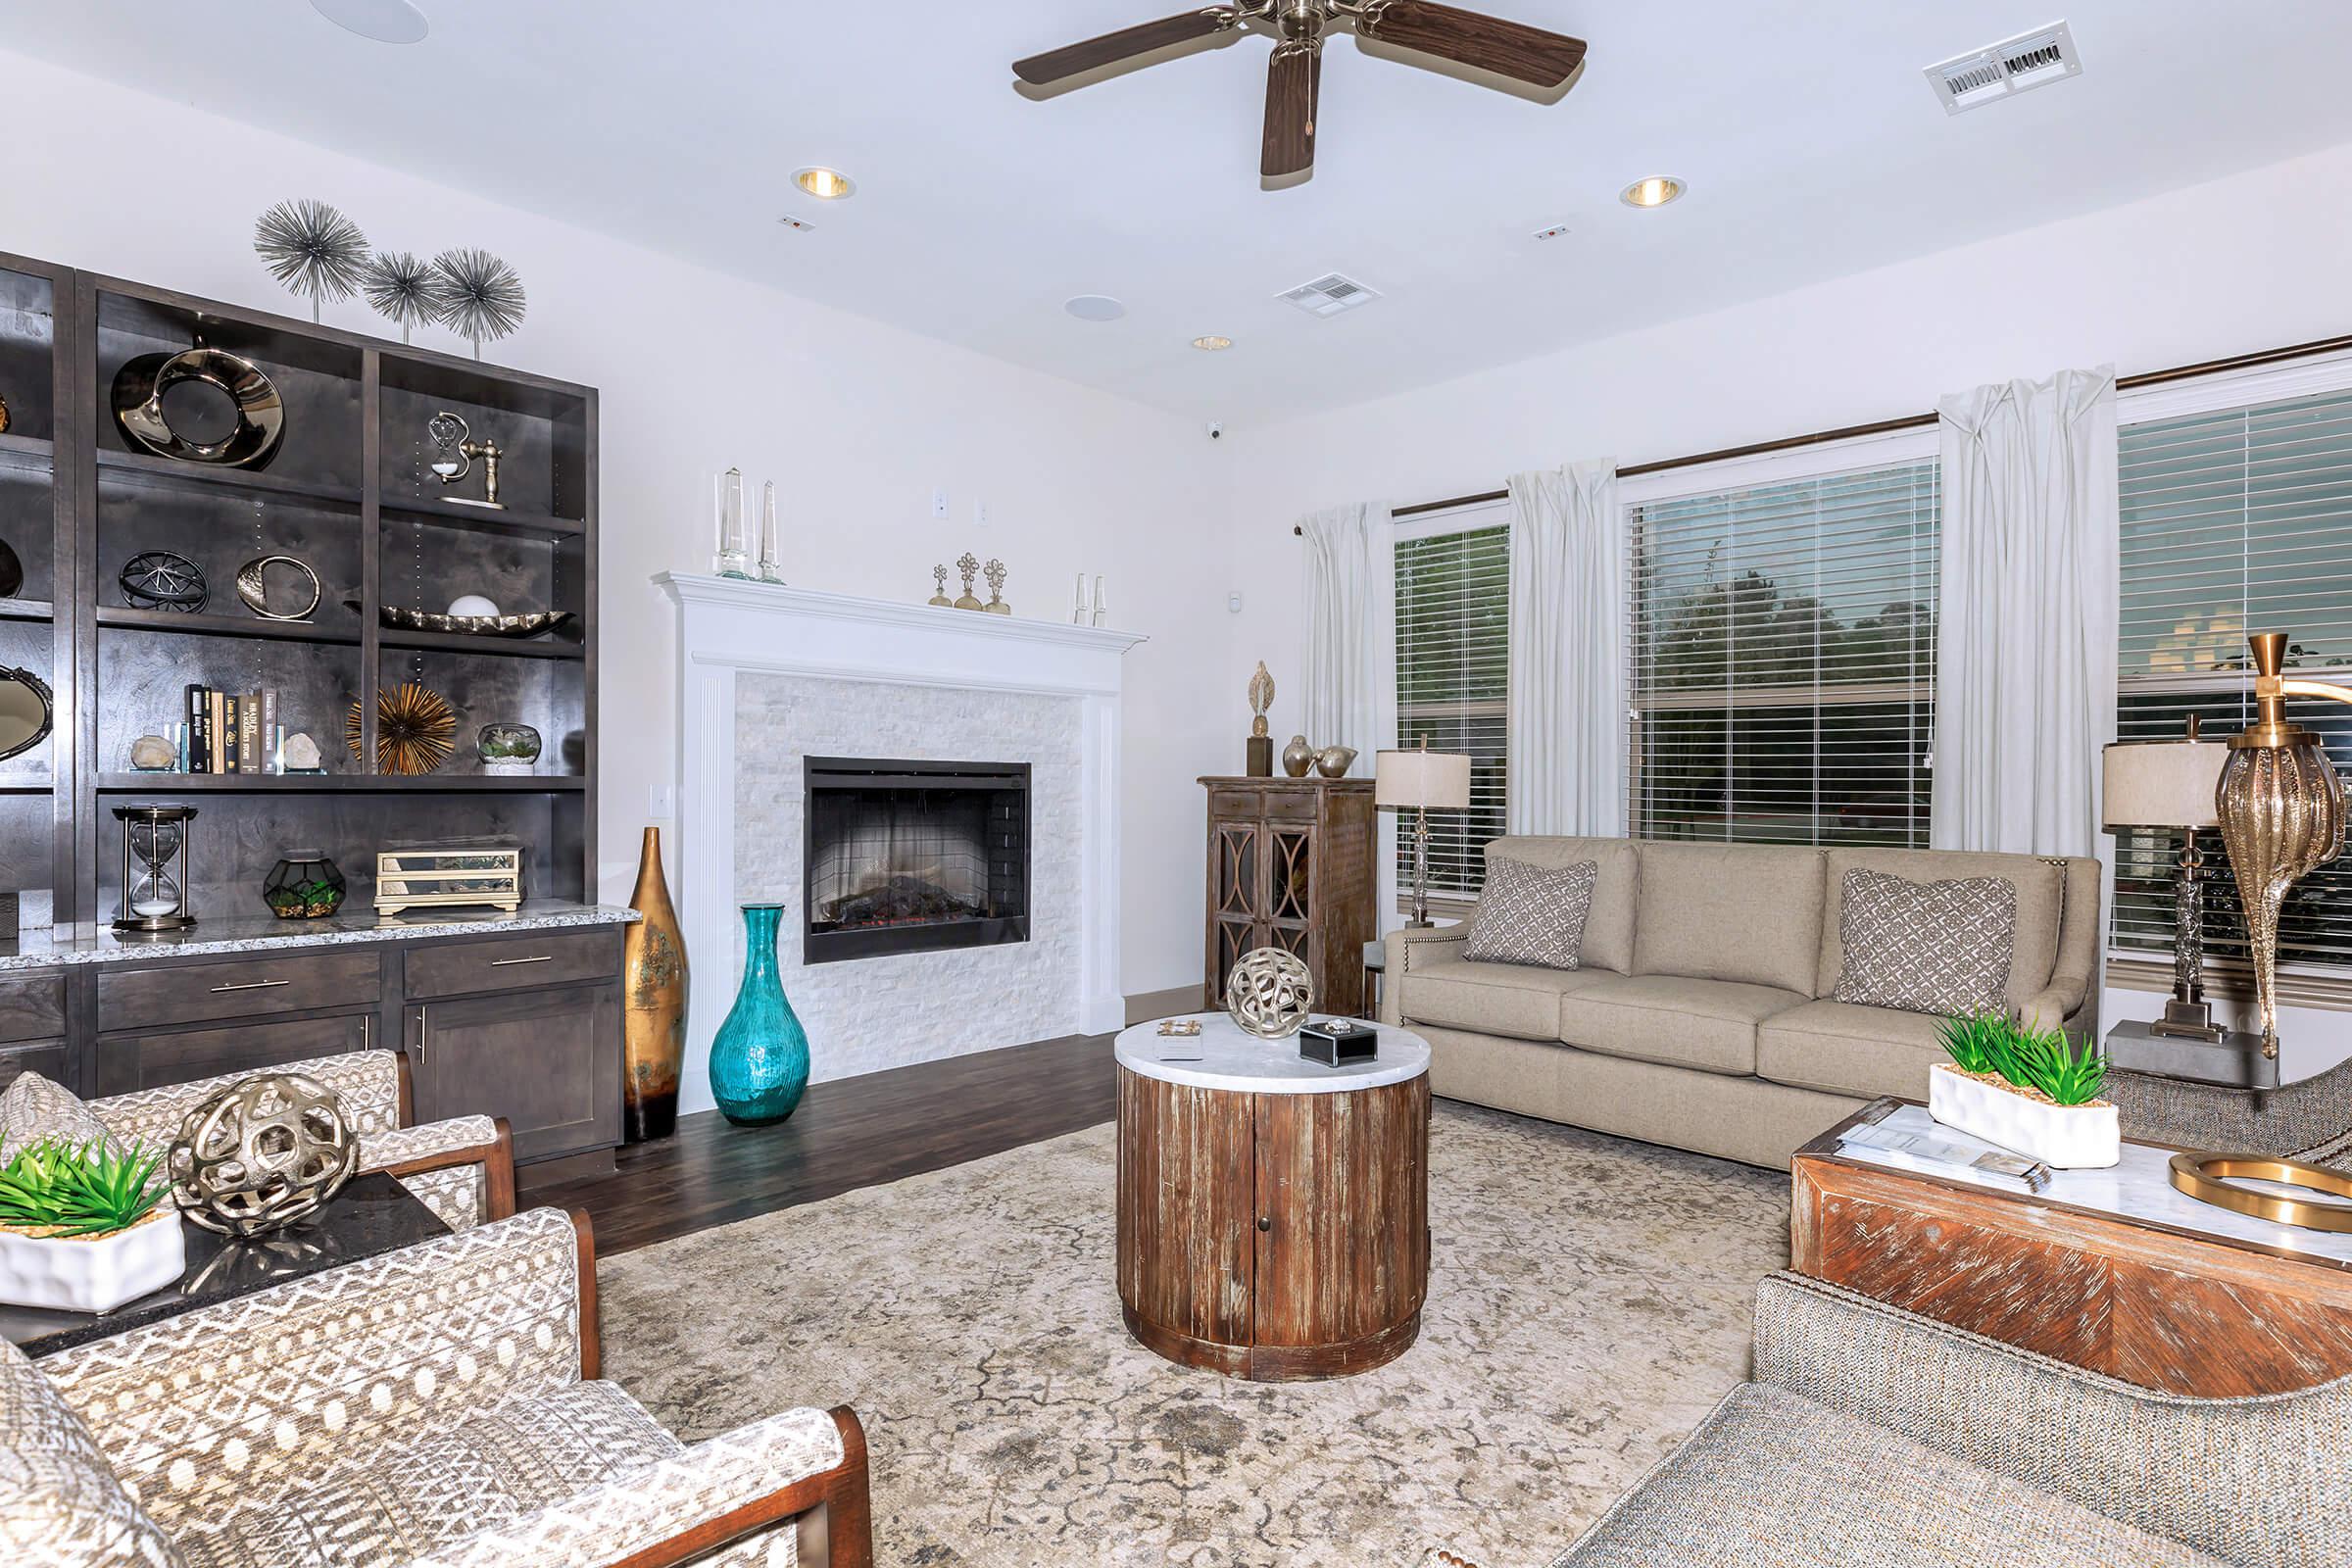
(458, 1168)
(430, 1406)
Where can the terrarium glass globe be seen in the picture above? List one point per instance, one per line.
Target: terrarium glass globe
(304, 885)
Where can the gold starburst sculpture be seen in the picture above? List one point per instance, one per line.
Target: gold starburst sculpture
(413, 729)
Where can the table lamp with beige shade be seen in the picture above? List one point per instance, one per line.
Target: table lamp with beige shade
(2169, 784)
(1421, 781)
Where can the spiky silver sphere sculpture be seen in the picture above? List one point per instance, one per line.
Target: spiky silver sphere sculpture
(399, 287)
(313, 249)
(480, 297)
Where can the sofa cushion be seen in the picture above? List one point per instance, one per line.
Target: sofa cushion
(1490, 999)
(1747, 912)
(1609, 927)
(61, 1505)
(1772, 1480)
(1849, 1050)
(500, 1465)
(1706, 1024)
(1530, 915)
(33, 1108)
(2040, 885)
(1942, 948)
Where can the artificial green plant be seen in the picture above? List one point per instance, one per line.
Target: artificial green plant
(73, 1190)
(2027, 1056)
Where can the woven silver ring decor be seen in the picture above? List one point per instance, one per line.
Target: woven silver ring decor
(261, 1154)
(1269, 992)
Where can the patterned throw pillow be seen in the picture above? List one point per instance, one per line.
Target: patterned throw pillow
(1532, 915)
(34, 1108)
(1926, 946)
(61, 1505)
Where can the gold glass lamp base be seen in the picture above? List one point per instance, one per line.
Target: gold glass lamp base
(2213, 1178)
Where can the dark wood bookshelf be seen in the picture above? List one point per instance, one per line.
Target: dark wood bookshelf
(349, 493)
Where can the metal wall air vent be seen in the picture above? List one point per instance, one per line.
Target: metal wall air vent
(2013, 65)
(1330, 294)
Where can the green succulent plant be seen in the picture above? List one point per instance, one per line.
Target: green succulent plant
(2026, 1055)
(88, 1189)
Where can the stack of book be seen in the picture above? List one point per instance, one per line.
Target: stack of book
(233, 732)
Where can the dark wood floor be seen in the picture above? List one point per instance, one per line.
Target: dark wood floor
(851, 1133)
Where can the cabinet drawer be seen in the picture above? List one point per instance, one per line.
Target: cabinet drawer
(46, 1057)
(1232, 804)
(513, 963)
(1293, 806)
(128, 1063)
(32, 1006)
(241, 988)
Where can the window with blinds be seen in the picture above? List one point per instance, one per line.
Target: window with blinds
(1453, 677)
(1784, 661)
(2233, 522)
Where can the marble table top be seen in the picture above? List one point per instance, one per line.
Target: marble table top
(2140, 1189)
(1224, 1055)
(266, 933)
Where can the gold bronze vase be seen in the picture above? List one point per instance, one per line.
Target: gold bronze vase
(653, 981)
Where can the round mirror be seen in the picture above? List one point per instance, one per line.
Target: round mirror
(26, 713)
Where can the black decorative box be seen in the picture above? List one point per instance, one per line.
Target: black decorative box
(1334, 1043)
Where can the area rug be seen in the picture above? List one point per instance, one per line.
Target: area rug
(1588, 1303)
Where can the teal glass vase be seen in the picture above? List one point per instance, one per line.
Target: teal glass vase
(760, 1060)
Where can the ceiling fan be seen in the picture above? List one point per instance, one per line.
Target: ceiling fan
(1509, 49)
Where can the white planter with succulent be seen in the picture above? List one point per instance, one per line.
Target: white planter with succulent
(2027, 1089)
(84, 1228)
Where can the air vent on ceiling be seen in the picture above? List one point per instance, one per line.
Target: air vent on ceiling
(2013, 65)
(1330, 294)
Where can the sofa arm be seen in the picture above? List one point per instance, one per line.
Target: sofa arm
(462, 1169)
(728, 1493)
(367, 1082)
(2253, 1480)
(295, 1378)
(1398, 951)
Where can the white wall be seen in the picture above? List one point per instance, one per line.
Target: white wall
(2249, 263)
(858, 422)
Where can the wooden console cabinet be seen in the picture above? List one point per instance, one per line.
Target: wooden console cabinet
(1292, 866)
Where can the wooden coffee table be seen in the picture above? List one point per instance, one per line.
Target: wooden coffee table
(2112, 1270)
(1273, 1213)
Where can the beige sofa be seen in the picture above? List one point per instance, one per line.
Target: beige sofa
(1700, 1016)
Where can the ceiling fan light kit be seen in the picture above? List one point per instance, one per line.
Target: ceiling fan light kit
(1547, 60)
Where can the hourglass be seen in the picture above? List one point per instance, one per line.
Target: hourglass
(155, 867)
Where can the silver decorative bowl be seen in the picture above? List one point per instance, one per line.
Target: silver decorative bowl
(529, 625)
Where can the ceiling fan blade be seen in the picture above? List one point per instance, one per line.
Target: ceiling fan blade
(1294, 90)
(1058, 65)
(1487, 43)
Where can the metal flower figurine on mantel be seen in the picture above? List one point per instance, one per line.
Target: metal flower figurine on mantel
(313, 249)
(397, 286)
(480, 297)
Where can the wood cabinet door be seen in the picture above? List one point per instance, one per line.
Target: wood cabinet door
(549, 1061)
(1236, 881)
(1343, 1227)
(1290, 871)
(127, 1062)
(1183, 1217)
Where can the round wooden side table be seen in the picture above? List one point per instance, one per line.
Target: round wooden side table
(1273, 1213)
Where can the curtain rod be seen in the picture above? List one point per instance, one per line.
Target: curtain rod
(1910, 421)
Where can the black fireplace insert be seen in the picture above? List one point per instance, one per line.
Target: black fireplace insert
(905, 857)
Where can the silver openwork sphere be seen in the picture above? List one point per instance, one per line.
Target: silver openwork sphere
(261, 1153)
(1269, 992)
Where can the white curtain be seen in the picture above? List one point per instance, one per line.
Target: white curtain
(2026, 616)
(1566, 729)
(1351, 610)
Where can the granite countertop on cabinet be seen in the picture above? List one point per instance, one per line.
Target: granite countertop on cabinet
(48, 950)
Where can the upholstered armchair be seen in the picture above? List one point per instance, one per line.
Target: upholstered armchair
(435, 1407)
(2310, 1120)
(1872, 1437)
(462, 1168)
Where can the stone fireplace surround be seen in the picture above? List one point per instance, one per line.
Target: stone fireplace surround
(770, 674)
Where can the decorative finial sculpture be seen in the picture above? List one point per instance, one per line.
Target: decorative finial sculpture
(1260, 763)
(995, 605)
(969, 564)
(939, 574)
(313, 249)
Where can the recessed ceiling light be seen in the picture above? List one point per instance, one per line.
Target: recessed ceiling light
(1656, 191)
(385, 21)
(825, 184)
(1212, 343)
(1096, 308)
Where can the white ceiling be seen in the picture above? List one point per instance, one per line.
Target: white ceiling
(1812, 145)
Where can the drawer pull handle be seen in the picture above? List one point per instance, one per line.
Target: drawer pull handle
(254, 985)
(501, 963)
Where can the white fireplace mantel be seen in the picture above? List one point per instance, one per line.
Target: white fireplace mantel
(728, 627)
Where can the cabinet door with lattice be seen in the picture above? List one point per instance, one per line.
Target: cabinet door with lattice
(1236, 899)
(1289, 905)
